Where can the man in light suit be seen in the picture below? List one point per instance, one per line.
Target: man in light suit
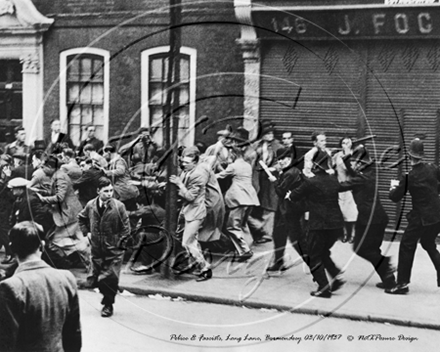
(192, 189)
(241, 197)
(70, 166)
(39, 307)
(66, 238)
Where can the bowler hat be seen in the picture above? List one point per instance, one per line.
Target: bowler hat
(241, 135)
(18, 182)
(416, 149)
(266, 127)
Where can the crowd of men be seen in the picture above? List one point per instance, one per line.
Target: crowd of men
(83, 203)
(270, 193)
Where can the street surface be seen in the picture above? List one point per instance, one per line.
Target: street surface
(160, 324)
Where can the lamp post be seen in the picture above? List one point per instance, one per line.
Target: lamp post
(171, 126)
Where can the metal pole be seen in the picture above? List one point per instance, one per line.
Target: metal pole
(171, 126)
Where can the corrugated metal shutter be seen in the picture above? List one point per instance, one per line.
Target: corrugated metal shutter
(327, 78)
(403, 96)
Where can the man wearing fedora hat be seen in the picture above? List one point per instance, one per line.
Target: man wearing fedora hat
(241, 196)
(422, 181)
(325, 223)
(262, 218)
(288, 215)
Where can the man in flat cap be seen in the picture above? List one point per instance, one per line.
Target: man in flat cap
(27, 205)
(422, 181)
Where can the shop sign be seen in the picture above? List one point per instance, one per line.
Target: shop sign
(391, 22)
(410, 2)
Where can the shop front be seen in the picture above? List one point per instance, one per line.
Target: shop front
(359, 70)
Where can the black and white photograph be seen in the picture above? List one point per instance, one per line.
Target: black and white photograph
(219, 175)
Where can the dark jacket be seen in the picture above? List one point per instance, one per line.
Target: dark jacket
(321, 193)
(288, 180)
(422, 182)
(30, 208)
(87, 184)
(365, 193)
(39, 310)
(97, 143)
(113, 224)
(120, 176)
(265, 189)
(63, 142)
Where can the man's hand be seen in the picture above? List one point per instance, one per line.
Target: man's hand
(176, 180)
(7, 170)
(272, 178)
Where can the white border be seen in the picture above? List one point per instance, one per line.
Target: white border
(63, 83)
(145, 68)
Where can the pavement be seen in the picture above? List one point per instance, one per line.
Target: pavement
(247, 284)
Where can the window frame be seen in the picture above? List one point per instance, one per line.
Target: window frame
(105, 54)
(188, 140)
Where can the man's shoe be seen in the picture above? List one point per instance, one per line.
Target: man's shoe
(321, 293)
(107, 311)
(245, 256)
(337, 284)
(387, 285)
(280, 267)
(204, 275)
(142, 270)
(399, 289)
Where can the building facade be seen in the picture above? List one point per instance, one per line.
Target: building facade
(104, 62)
(366, 67)
(356, 67)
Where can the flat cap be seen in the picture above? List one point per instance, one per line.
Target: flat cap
(18, 182)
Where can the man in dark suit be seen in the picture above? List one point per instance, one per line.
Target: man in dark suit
(372, 219)
(57, 141)
(325, 223)
(90, 139)
(39, 307)
(424, 218)
(288, 215)
(87, 184)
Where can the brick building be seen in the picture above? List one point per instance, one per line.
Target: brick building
(104, 62)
